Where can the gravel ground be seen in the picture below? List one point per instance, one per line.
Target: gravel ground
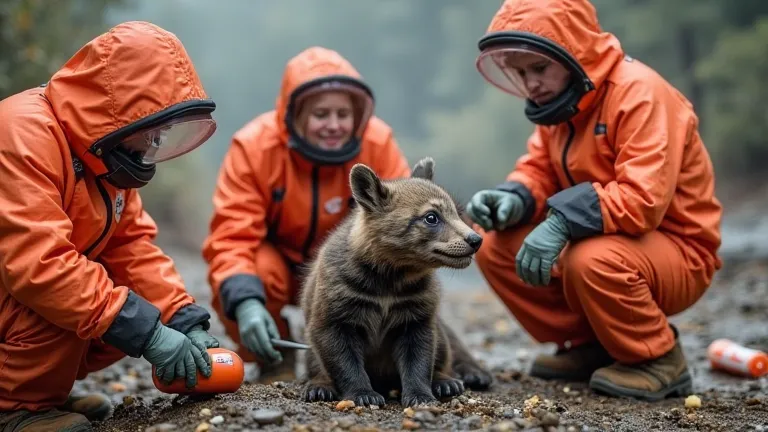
(735, 307)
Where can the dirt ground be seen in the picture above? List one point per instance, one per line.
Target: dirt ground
(735, 307)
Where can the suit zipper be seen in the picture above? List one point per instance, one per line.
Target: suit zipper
(571, 134)
(313, 221)
(108, 204)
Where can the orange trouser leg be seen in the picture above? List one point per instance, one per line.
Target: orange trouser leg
(543, 312)
(280, 287)
(39, 361)
(627, 286)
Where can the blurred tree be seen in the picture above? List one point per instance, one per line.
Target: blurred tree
(735, 76)
(38, 36)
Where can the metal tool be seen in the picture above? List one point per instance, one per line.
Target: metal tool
(289, 344)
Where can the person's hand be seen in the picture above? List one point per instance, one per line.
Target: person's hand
(256, 328)
(540, 250)
(202, 340)
(495, 209)
(174, 356)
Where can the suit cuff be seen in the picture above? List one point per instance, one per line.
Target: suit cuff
(237, 288)
(525, 194)
(580, 206)
(189, 316)
(133, 326)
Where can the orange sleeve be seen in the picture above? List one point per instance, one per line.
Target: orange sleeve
(649, 139)
(390, 162)
(239, 225)
(39, 265)
(133, 260)
(533, 178)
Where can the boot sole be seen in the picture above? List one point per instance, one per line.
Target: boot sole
(546, 373)
(681, 387)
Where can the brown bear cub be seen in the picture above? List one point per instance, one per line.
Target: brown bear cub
(371, 296)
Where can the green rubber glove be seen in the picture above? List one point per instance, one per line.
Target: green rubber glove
(256, 328)
(495, 209)
(174, 356)
(202, 340)
(540, 250)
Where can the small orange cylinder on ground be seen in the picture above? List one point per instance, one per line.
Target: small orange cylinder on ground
(227, 374)
(729, 356)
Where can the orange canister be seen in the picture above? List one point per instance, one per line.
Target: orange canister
(227, 373)
(729, 356)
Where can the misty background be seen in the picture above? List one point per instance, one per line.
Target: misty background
(418, 56)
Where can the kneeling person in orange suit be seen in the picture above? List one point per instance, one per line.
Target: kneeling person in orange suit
(283, 185)
(81, 283)
(618, 173)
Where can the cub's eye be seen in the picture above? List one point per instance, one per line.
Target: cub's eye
(431, 219)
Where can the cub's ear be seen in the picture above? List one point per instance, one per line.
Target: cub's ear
(367, 188)
(425, 169)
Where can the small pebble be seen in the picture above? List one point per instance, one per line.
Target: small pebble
(472, 422)
(118, 387)
(550, 419)
(203, 427)
(753, 401)
(205, 412)
(301, 428)
(268, 416)
(217, 420)
(409, 412)
(572, 429)
(232, 411)
(128, 400)
(455, 403)
(358, 410)
(424, 417)
(693, 401)
(346, 422)
(162, 427)
(463, 399)
(345, 405)
(410, 424)
(504, 427)
(471, 401)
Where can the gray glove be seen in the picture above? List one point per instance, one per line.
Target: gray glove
(174, 356)
(495, 209)
(256, 328)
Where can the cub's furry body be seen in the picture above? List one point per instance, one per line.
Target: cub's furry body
(371, 297)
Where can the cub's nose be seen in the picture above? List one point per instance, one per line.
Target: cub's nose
(474, 240)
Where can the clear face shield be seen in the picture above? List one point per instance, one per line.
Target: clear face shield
(515, 69)
(171, 139)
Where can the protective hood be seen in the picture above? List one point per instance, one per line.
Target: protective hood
(307, 72)
(137, 75)
(571, 25)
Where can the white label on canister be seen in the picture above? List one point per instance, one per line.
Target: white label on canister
(223, 358)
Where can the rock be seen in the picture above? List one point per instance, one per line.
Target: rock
(234, 427)
(217, 420)
(471, 402)
(117, 387)
(471, 423)
(301, 428)
(455, 403)
(410, 424)
(504, 427)
(268, 416)
(128, 400)
(203, 427)
(205, 412)
(572, 429)
(693, 401)
(753, 401)
(345, 405)
(409, 412)
(162, 427)
(346, 422)
(550, 419)
(232, 411)
(424, 417)
(522, 423)
(463, 399)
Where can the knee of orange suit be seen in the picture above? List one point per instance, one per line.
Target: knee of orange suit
(595, 258)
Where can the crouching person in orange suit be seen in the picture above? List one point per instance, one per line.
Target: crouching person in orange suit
(81, 283)
(616, 187)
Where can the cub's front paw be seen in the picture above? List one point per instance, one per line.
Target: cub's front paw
(474, 376)
(417, 398)
(317, 392)
(365, 397)
(447, 388)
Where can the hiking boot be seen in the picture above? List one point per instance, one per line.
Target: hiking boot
(94, 406)
(652, 380)
(574, 364)
(43, 421)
